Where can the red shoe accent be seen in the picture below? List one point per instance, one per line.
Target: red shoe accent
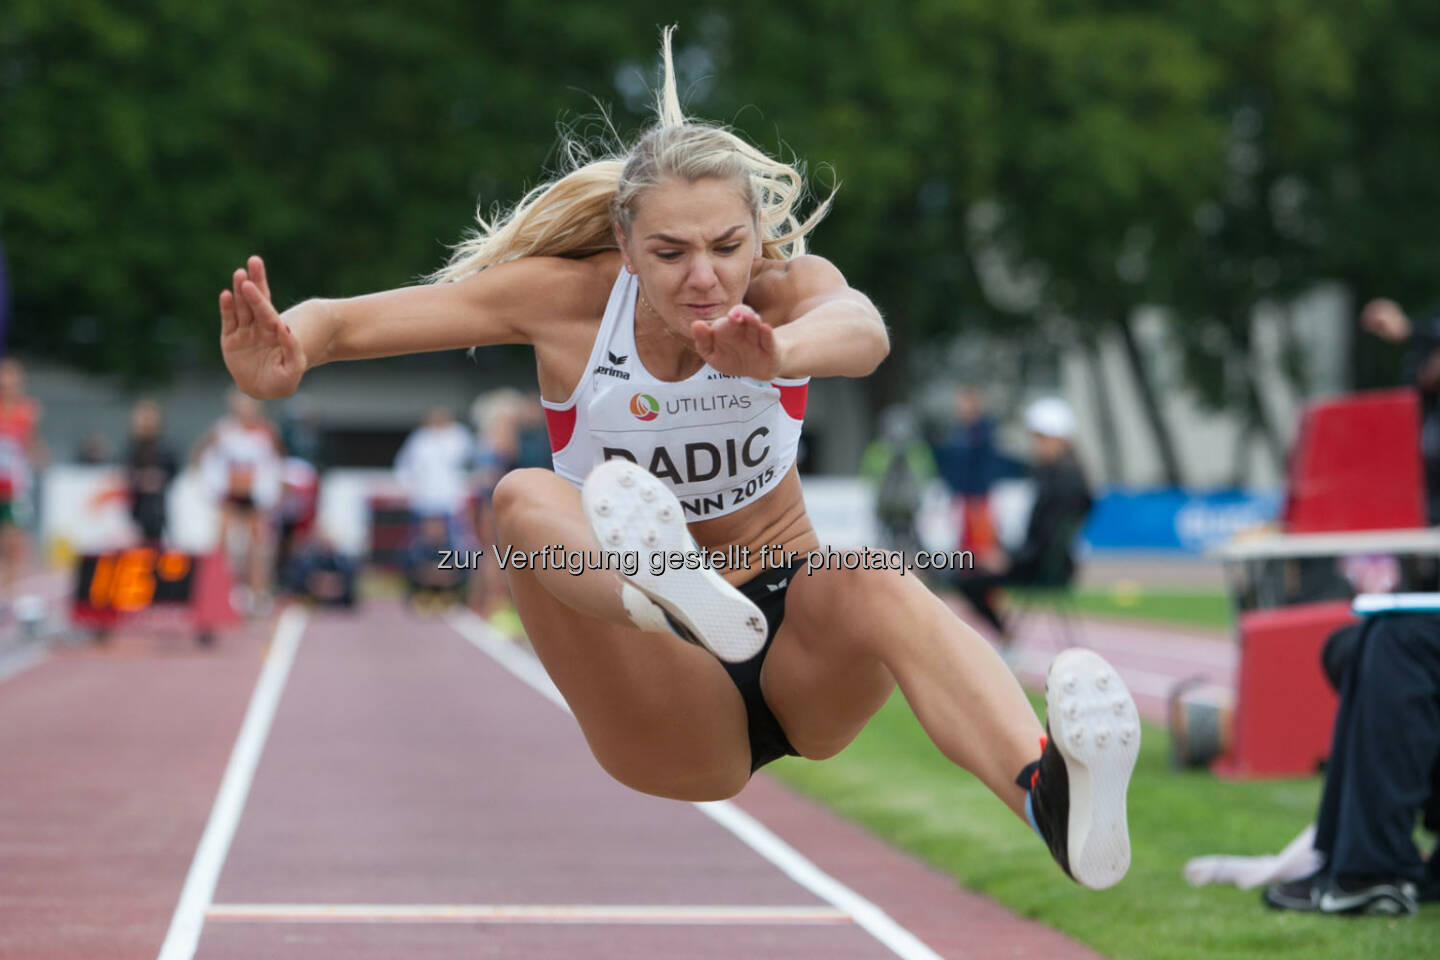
(1036, 775)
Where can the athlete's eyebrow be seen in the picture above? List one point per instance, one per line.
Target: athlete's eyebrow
(680, 243)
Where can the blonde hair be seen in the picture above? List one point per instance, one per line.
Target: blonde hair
(575, 214)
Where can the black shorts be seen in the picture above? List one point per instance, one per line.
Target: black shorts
(767, 740)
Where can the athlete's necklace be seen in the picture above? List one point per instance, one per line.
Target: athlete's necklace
(663, 325)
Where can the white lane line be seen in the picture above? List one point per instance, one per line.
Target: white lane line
(523, 913)
(195, 896)
(866, 915)
(21, 659)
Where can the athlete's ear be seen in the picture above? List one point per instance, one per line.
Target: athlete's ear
(620, 241)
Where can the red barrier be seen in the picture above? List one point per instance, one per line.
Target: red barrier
(1356, 465)
(212, 606)
(1284, 708)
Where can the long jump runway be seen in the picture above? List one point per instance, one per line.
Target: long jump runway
(413, 787)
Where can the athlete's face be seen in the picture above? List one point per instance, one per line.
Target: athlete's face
(692, 246)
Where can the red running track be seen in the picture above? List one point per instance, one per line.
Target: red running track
(1151, 658)
(412, 798)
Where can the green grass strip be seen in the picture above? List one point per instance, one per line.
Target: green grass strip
(1208, 610)
(892, 780)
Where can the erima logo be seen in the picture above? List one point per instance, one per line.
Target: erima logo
(772, 587)
(615, 361)
(644, 406)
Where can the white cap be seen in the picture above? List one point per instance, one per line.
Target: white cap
(1051, 417)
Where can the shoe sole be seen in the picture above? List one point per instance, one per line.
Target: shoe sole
(630, 510)
(1096, 728)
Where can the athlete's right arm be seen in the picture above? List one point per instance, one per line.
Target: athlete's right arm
(268, 352)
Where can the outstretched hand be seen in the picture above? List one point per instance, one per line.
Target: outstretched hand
(260, 352)
(739, 343)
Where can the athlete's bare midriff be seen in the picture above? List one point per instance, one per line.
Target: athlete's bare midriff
(562, 347)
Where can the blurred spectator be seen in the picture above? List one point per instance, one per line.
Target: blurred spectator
(965, 457)
(298, 432)
(21, 451)
(317, 571)
(299, 499)
(1062, 502)
(496, 415)
(1386, 320)
(432, 574)
(532, 438)
(898, 466)
(1384, 767)
(94, 450)
(150, 466)
(240, 462)
(432, 466)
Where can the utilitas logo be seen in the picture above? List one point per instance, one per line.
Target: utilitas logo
(644, 406)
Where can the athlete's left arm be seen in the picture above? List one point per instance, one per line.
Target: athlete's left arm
(831, 330)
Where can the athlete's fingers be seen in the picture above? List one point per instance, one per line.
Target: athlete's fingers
(267, 321)
(257, 273)
(721, 330)
(242, 309)
(766, 335)
(228, 323)
(289, 345)
(752, 329)
(703, 336)
(260, 305)
(287, 337)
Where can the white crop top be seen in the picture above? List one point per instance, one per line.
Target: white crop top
(719, 441)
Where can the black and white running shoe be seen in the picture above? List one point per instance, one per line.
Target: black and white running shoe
(1375, 896)
(630, 510)
(1302, 895)
(1077, 794)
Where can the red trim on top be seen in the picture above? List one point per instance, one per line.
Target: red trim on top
(792, 398)
(560, 424)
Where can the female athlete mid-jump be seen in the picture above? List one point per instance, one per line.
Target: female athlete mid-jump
(676, 321)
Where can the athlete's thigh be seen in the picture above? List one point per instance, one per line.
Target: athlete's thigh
(821, 679)
(660, 715)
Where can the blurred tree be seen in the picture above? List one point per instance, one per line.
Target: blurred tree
(1106, 143)
(145, 153)
(1382, 187)
(1033, 168)
(1258, 239)
(894, 109)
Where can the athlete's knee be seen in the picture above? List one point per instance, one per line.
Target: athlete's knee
(691, 786)
(825, 749)
(853, 610)
(517, 494)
